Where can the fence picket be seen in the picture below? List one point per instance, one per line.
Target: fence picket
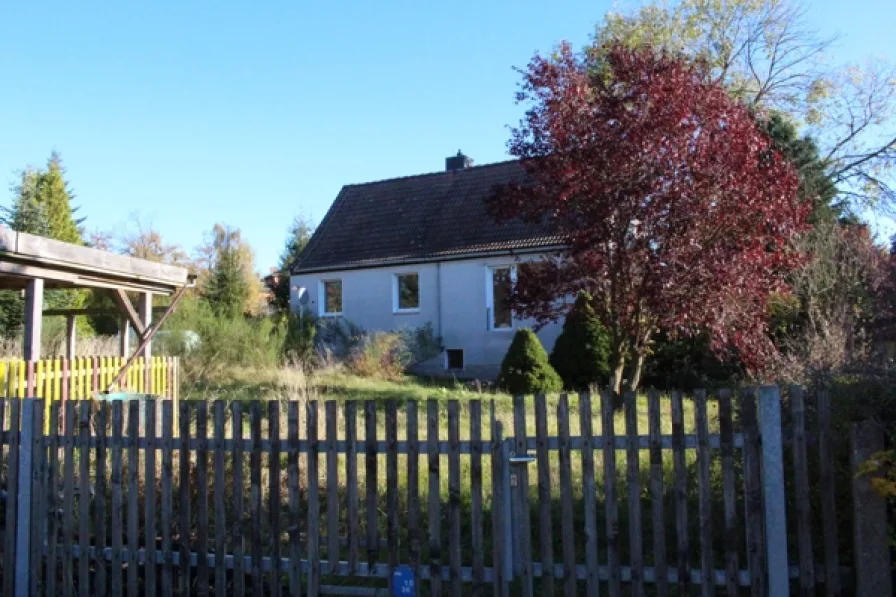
(313, 503)
(274, 495)
(753, 496)
(351, 476)
(68, 496)
(292, 466)
(255, 549)
(238, 526)
(828, 497)
(99, 500)
(657, 495)
(332, 486)
(633, 464)
(681, 494)
(117, 501)
(413, 440)
(589, 500)
(83, 498)
(392, 485)
(566, 500)
(454, 496)
(52, 495)
(545, 506)
(167, 498)
(133, 521)
(610, 506)
(704, 489)
(801, 492)
(476, 542)
(522, 518)
(435, 498)
(202, 498)
(184, 523)
(370, 481)
(726, 432)
(499, 581)
(220, 500)
(38, 496)
(149, 467)
(12, 490)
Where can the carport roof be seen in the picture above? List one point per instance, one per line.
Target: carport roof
(64, 265)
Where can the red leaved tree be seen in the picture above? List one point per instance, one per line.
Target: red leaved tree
(678, 212)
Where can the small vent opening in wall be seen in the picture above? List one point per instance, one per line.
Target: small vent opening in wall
(454, 358)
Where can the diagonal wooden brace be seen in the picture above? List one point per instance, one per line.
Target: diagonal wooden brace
(128, 310)
(146, 338)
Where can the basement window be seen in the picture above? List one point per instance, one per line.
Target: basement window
(454, 358)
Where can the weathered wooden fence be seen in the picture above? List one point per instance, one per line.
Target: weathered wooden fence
(556, 496)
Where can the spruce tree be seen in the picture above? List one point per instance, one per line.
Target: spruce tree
(582, 351)
(55, 197)
(227, 289)
(525, 368)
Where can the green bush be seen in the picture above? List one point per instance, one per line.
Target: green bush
(582, 351)
(525, 368)
(211, 346)
(298, 342)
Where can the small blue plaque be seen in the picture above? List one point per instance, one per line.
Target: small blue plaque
(403, 581)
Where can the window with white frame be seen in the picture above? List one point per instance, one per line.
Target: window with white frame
(406, 292)
(499, 285)
(331, 297)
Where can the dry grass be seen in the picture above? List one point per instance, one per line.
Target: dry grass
(11, 348)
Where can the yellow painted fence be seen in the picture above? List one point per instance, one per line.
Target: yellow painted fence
(85, 377)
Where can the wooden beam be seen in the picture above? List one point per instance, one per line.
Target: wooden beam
(70, 337)
(34, 306)
(127, 309)
(91, 311)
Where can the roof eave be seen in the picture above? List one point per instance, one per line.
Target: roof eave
(380, 263)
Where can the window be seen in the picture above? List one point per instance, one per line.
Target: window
(406, 293)
(454, 358)
(331, 297)
(500, 283)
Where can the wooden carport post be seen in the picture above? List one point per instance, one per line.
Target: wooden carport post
(70, 337)
(145, 312)
(34, 309)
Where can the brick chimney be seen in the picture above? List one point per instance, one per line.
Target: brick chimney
(458, 162)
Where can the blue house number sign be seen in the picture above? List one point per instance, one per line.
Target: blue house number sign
(403, 582)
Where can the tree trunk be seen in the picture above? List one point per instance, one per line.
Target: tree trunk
(635, 380)
(618, 371)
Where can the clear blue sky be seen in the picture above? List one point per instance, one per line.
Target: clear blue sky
(247, 113)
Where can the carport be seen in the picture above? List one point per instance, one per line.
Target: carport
(34, 264)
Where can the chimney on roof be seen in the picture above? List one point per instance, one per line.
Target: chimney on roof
(458, 162)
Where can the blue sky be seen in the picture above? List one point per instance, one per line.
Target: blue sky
(248, 113)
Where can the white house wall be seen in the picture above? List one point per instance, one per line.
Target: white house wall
(453, 296)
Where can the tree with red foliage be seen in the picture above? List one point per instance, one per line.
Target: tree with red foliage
(677, 211)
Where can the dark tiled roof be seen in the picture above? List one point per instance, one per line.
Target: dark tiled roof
(424, 217)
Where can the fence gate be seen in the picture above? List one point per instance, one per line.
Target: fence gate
(564, 495)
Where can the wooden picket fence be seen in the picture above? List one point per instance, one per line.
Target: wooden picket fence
(275, 499)
(85, 377)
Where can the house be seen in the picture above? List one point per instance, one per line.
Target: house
(406, 251)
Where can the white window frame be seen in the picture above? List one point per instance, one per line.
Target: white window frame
(395, 305)
(322, 295)
(490, 297)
